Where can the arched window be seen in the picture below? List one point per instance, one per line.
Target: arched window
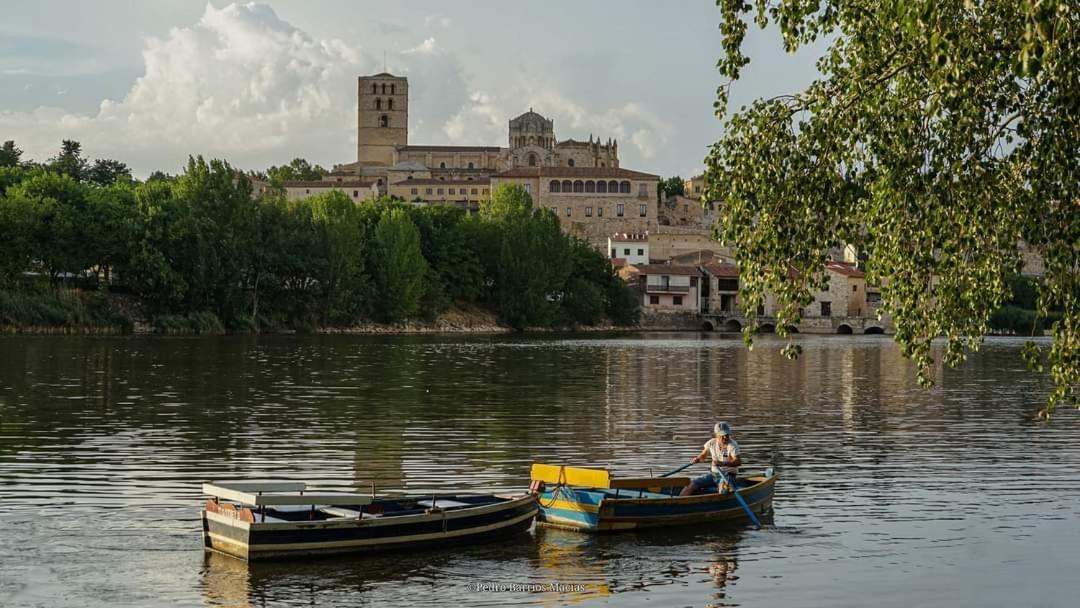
(374, 88)
(384, 121)
(442, 165)
(471, 166)
(389, 104)
(613, 186)
(601, 186)
(590, 186)
(624, 187)
(554, 186)
(384, 88)
(532, 140)
(532, 160)
(391, 89)
(570, 162)
(378, 103)
(579, 186)
(567, 186)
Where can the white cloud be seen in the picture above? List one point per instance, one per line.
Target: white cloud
(244, 85)
(240, 83)
(437, 21)
(426, 47)
(485, 117)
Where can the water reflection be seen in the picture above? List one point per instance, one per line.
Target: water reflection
(104, 441)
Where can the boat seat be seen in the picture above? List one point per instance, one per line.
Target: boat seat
(444, 503)
(343, 513)
(271, 520)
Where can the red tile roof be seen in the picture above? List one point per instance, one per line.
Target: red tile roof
(444, 182)
(846, 269)
(668, 269)
(327, 184)
(450, 148)
(721, 270)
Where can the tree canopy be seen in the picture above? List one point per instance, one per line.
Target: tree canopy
(298, 169)
(674, 185)
(939, 137)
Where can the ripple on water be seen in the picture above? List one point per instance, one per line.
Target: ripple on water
(886, 490)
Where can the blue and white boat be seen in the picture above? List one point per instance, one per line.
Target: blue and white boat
(594, 500)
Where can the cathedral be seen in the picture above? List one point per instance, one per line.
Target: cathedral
(385, 156)
(580, 182)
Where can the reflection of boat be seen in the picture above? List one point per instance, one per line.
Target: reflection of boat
(593, 500)
(259, 520)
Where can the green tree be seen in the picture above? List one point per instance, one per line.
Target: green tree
(105, 172)
(673, 186)
(447, 241)
(938, 137)
(16, 224)
(56, 209)
(340, 247)
(298, 169)
(399, 266)
(527, 255)
(10, 156)
(70, 161)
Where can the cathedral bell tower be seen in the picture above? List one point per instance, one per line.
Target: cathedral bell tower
(382, 118)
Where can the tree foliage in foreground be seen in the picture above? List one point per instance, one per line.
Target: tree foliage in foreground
(940, 135)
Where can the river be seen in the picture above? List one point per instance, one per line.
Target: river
(888, 495)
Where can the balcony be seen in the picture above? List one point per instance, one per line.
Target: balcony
(663, 288)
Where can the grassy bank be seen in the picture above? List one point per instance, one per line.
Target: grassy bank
(49, 310)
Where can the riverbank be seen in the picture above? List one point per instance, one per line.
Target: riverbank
(80, 312)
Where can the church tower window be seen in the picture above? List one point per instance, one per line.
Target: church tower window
(570, 162)
(378, 103)
(389, 104)
(532, 160)
(384, 121)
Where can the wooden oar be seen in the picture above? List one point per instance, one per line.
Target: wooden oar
(742, 501)
(685, 466)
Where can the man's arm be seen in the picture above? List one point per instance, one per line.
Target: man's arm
(700, 457)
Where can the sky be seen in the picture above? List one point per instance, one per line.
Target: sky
(151, 82)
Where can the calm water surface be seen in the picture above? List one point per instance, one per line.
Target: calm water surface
(889, 495)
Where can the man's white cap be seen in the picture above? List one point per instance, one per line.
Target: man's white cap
(723, 428)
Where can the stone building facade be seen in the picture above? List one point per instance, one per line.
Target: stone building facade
(383, 147)
(592, 203)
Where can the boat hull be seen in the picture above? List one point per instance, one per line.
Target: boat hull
(595, 510)
(252, 541)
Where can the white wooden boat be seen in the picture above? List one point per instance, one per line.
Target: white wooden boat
(263, 520)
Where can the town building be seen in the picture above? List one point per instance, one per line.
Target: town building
(591, 203)
(665, 288)
(629, 248)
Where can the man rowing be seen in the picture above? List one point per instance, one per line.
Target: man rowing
(724, 452)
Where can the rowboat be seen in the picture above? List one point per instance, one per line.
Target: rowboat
(595, 500)
(265, 520)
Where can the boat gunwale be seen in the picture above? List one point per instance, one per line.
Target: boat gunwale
(510, 502)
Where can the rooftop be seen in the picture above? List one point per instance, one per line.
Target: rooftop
(622, 237)
(846, 269)
(718, 269)
(444, 182)
(450, 148)
(668, 269)
(606, 172)
(327, 184)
